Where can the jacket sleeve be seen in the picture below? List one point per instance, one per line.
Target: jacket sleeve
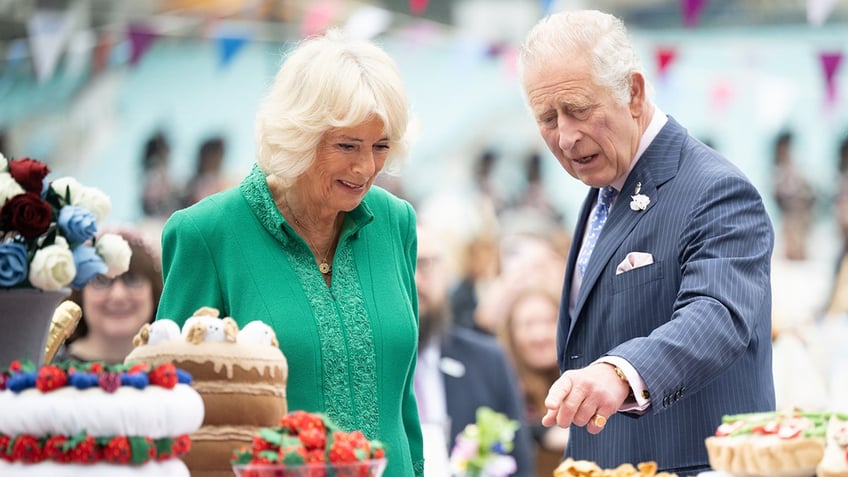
(188, 270)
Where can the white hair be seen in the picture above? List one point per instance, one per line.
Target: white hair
(329, 82)
(600, 35)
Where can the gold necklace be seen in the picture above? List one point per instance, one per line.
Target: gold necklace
(324, 267)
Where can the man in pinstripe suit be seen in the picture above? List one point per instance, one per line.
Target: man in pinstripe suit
(665, 322)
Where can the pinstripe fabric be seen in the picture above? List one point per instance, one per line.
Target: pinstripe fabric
(696, 323)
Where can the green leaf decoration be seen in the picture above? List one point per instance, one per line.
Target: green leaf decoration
(139, 449)
(164, 445)
(271, 436)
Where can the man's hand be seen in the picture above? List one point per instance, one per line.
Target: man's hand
(585, 397)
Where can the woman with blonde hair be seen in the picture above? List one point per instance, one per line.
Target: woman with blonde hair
(308, 245)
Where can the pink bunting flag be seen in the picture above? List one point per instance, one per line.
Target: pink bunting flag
(318, 18)
(665, 55)
(692, 10)
(830, 63)
(141, 37)
(418, 7)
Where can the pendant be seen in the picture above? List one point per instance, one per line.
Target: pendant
(324, 267)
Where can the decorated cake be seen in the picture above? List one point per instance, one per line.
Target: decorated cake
(239, 373)
(309, 444)
(783, 443)
(70, 419)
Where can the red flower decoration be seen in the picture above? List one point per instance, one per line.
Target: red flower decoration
(28, 214)
(29, 173)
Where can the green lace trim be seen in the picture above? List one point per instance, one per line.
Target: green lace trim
(347, 345)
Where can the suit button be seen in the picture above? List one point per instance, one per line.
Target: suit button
(575, 356)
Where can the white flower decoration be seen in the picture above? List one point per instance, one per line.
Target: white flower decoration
(639, 202)
(116, 253)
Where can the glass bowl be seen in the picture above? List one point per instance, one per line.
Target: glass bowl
(366, 468)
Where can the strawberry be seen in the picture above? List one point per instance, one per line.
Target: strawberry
(54, 449)
(299, 420)
(4, 376)
(181, 445)
(164, 375)
(84, 450)
(378, 451)
(342, 451)
(313, 438)
(769, 427)
(316, 458)
(117, 450)
(16, 366)
(4, 447)
(27, 449)
(49, 378)
(139, 368)
(95, 367)
(260, 444)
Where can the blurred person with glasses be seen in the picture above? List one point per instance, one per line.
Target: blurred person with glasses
(114, 309)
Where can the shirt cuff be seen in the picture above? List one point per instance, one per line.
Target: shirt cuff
(640, 399)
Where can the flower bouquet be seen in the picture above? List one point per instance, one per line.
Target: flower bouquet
(483, 448)
(309, 445)
(47, 230)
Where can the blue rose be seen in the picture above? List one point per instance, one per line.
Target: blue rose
(88, 265)
(77, 224)
(13, 264)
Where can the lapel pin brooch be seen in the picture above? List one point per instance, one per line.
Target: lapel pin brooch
(639, 201)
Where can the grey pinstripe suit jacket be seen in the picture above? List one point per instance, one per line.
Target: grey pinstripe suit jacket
(696, 324)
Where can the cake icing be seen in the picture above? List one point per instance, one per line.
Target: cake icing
(72, 418)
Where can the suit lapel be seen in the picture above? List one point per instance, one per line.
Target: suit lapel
(658, 164)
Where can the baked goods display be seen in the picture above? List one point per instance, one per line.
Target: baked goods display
(239, 373)
(309, 444)
(70, 419)
(783, 443)
(584, 468)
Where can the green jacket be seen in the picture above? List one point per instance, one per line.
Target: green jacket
(351, 347)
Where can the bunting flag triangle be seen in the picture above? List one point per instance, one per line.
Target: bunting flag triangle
(141, 37)
(818, 11)
(665, 55)
(547, 6)
(318, 18)
(692, 10)
(48, 31)
(229, 44)
(418, 7)
(368, 22)
(830, 64)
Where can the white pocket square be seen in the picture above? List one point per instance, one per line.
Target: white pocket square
(634, 260)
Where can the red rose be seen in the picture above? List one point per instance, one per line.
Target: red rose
(27, 214)
(29, 173)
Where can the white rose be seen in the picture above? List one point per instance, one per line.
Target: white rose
(95, 200)
(639, 202)
(3, 162)
(63, 184)
(52, 267)
(9, 187)
(116, 253)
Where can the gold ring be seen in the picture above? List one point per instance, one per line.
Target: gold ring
(599, 420)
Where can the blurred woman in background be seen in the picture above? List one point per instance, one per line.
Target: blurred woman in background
(114, 309)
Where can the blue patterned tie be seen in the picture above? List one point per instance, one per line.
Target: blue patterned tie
(596, 223)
